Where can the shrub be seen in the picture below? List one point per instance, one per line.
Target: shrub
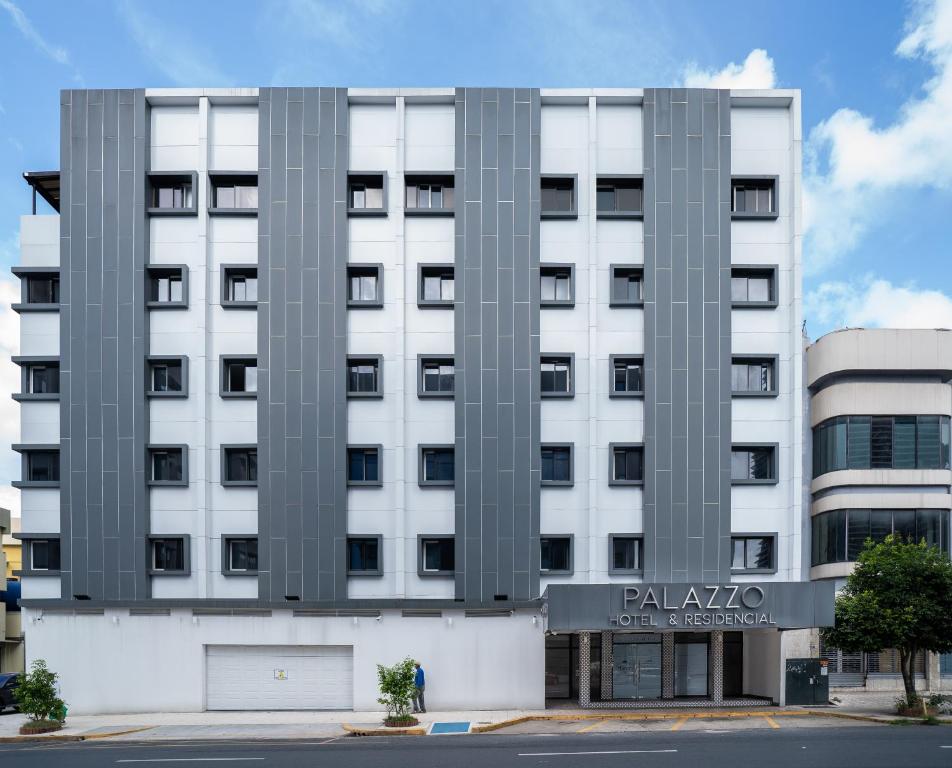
(396, 688)
(36, 694)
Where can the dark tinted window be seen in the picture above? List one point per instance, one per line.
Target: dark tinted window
(43, 378)
(756, 463)
(362, 376)
(556, 375)
(438, 376)
(556, 464)
(363, 465)
(627, 464)
(363, 554)
(167, 465)
(558, 195)
(439, 554)
(168, 555)
(243, 554)
(840, 535)
(626, 553)
(166, 376)
(43, 466)
(241, 465)
(42, 289)
(556, 553)
(45, 554)
(752, 552)
(438, 465)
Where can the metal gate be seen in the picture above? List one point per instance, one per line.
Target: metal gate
(808, 681)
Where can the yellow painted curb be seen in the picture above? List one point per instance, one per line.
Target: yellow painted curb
(415, 730)
(95, 736)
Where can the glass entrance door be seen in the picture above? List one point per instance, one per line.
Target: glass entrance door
(636, 669)
(690, 665)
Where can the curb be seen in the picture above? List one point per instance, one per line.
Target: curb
(38, 738)
(356, 730)
(616, 715)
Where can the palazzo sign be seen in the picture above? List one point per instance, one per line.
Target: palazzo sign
(690, 606)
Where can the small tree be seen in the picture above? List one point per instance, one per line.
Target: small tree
(36, 694)
(899, 596)
(397, 688)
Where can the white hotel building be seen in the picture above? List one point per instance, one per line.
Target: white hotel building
(506, 380)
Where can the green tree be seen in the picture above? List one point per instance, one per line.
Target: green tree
(396, 688)
(899, 596)
(36, 694)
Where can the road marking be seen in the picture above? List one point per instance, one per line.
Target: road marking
(771, 722)
(680, 724)
(613, 752)
(186, 759)
(592, 727)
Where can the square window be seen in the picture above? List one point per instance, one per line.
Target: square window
(753, 376)
(167, 465)
(363, 465)
(172, 193)
(364, 285)
(242, 555)
(558, 196)
(754, 197)
(429, 194)
(437, 465)
(627, 464)
(557, 285)
(437, 555)
(42, 466)
(626, 553)
(167, 376)
(233, 193)
(619, 197)
(627, 376)
(556, 554)
(363, 556)
(239, 286)
(239, 376)
(753, 287)
(436, 286)
(555, 376)
(44, 554)
(752, 553)
(167, 286)
(42, 378)
(437, 377)
(168, 554)
(239, 465)
(364, 376)
(366, 194)
(753, 465)
(557, 465)
(627, 286)
(42, 289)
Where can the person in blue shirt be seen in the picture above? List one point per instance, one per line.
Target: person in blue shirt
(419, 682)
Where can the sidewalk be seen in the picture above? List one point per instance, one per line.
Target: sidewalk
(237, 726)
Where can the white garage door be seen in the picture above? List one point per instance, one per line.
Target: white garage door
(279, 677)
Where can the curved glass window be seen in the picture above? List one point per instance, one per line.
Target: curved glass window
(839, 535)
(881, 442)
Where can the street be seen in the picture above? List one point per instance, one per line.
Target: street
(885, 746)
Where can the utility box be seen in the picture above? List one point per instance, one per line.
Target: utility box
(808, 681)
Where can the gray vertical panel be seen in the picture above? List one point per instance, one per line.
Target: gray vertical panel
(497, 340)
(103, 344)
(302, 253)
(687, 334)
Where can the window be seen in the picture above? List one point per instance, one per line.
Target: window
(42, 290)
(437, 465)
(42, 379)
(754, 197)
(366, 194)
(838, 536)
(557, 285)
(172, 192)
(168, 554)
(239, 376)
(627, 376)
(239, 464)
(44, 554)
(753, 464)
(437, 555)
(364, 376)
(429, 194)
(233, 193)
(753, 376)
(625, 553)
(627, 284)
(752, 554)
(167, 465)
(437, 377)
(753, 287)
(556, 554)
(241, 555)
(557, 464)
(619, 197)
(881, 442)
(239, 289)
(555, 379)
(167, 377)
(363, 465)
(365, 285)
(558, 197)
(40, 465)
(627, 464)
(436, 285)
(363, 556)
(167, 286)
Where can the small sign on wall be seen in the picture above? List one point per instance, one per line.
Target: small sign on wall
(280, 674)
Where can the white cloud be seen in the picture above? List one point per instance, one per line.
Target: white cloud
(52, 51)
(876, 303)
(757, 71)
(180, 59)
(854, 167)
(343, 24)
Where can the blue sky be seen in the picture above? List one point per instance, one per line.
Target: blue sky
(876, 81)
